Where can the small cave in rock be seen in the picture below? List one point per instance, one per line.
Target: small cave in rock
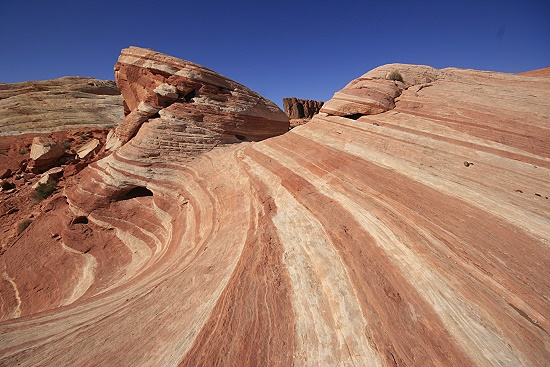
(189, 96)
(136, 192)
(80, 220)
(240, 137)
(223, 90)
(354, 116)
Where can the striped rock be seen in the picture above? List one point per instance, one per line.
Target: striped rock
(362, 241)
(188, 108)
(67, 103)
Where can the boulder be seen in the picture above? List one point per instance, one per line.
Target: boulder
(45, 153)
(73, 168)
(5, 173)
(6, 185)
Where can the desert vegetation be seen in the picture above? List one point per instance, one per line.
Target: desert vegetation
(43, 191)
(21, 226)
(395, 75)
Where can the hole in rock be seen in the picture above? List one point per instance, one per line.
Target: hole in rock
(136, 192)
(355, 116)
(240, 137)
(189, 96)
(223, 90)
(80, 220)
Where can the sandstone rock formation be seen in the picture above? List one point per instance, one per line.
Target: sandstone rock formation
(361, 239)
(544, 72)
(187, 107)
(301, 108)
(364, 96)
(59, 104)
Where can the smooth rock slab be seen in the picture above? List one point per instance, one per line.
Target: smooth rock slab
(88, 149)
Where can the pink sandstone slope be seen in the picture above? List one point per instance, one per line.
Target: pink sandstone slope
(544, 72)
(407, 225)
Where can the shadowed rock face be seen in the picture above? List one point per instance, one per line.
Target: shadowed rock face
(301, 108)
(58, 104)
(359, 239)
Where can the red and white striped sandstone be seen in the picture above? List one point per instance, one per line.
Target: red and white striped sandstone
(361, 241)
(186, 108)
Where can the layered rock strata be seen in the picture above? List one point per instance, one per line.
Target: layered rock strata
(360, 239)
(59, 104)
(182, 107)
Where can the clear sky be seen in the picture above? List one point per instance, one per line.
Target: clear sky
(305, 49)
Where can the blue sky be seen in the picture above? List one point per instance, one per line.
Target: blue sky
(305, 49)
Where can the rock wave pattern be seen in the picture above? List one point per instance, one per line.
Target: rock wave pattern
(417, 235)
(186, 108)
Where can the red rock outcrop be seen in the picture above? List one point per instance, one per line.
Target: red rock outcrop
(359, 239)
(19, 180)
(187, 107)
(301, 108)
(543, 73)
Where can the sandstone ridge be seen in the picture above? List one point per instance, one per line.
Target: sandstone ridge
(59, 104)
(361, 238)
(202, 108)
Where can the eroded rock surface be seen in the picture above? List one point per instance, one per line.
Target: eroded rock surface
(361, 239)
(20, 176)
(296, 108)
(59, 104)
(179, 106)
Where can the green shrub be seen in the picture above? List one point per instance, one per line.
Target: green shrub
(23, 151)
(2, 152)
(394, 75)
(44, 190)
(21, 226)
